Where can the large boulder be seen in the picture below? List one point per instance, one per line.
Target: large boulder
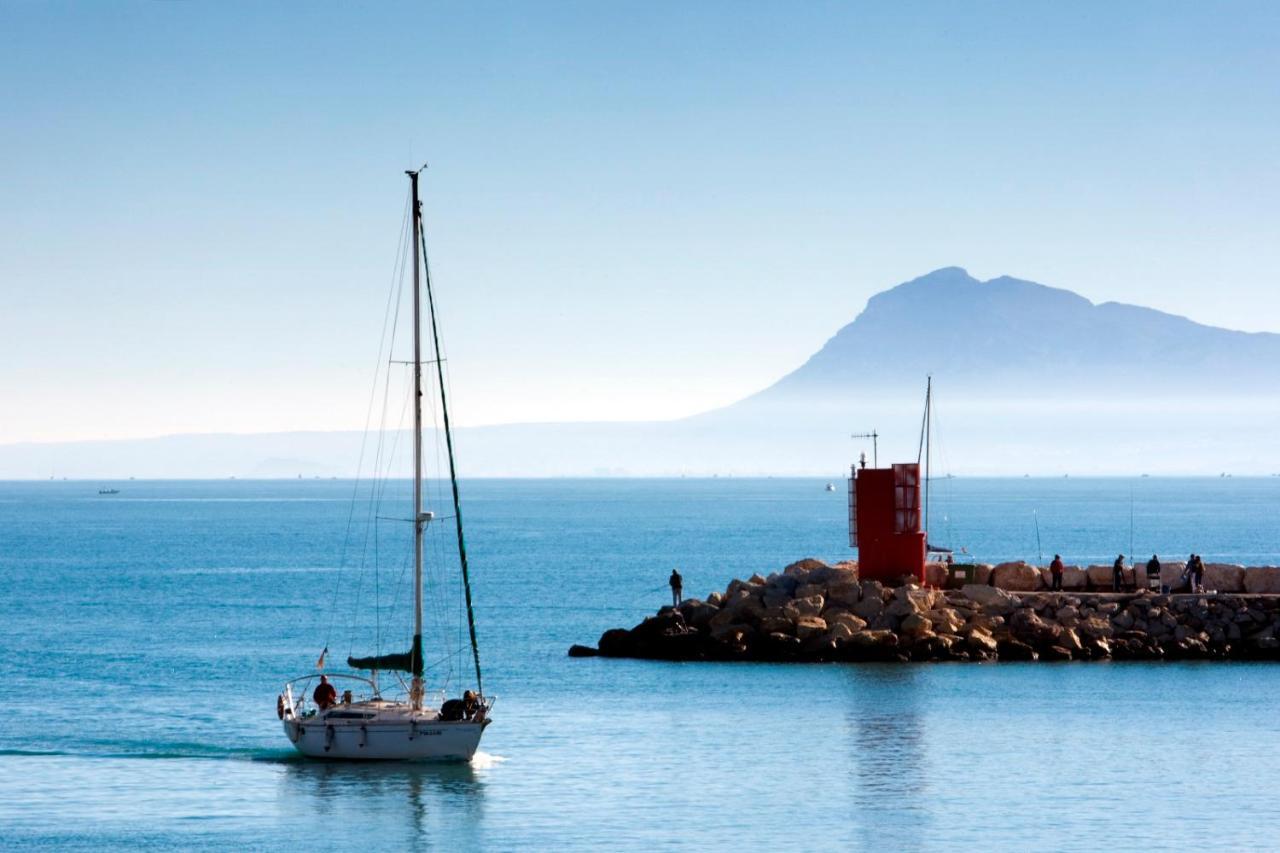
(697, 613)
(982, 573)
(1224, 577)
(1011, 649)
(1171, 573)
(935, 575)
(883, 639)
(810, 626)
(744, 605)
(980, 640)
(992, 599)
(844, 593)
(731, 635)
(838, 633)
(800, 569)
(915, 625)
(1261, 579)
(1102, 577)
(869, 607)
(806, 590)
(616, 643)
(845, 572)
(1018, 576)
(1095, 628)
(844, 617)
(1074, 577)
(945, 620)
(775, 596)
(924, 599)
(776, 625)
(801, 607)
(901, 607)
(1031, 629)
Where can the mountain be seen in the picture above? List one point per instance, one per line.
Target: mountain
(1008, 337)
(1027, 378)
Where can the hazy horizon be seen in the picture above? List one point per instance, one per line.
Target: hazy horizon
(634, 212)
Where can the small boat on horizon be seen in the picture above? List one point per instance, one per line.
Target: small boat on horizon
(108, 491)
(831, 487)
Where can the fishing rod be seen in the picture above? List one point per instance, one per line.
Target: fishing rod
(1131, 556)
(1039, 551)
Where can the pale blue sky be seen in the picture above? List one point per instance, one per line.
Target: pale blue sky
(635, 210)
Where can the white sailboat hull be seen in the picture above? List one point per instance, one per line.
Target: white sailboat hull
(390, 740)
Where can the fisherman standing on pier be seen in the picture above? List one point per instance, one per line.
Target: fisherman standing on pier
(1117, 574)
(1055, 569)
(1153, 573)
(677, 588)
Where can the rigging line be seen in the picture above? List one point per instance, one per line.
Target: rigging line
(463, 605)
(375, 506)
(447, 382)
(440, 613)
(374, 498)
(395, 441)
(368, 418)
(453, 473)
(923, 420)
(378, 449)
(377, 596)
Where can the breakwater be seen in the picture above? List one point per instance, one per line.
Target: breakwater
(812, 612)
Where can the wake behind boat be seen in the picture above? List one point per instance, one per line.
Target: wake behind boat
(359, 721)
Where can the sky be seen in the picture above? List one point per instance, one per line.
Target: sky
(635, 211)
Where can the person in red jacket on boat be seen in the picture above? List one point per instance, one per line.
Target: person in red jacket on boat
(325, 695)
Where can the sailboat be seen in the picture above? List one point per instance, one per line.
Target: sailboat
(360, 722)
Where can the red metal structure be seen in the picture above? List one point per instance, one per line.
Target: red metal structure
(884, 523)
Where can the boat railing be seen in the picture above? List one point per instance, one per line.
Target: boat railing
(303, 705)
(299, 706)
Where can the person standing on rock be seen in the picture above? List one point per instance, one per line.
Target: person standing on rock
(1117, 574)
(1197, 574)
(677, 588)
(1153, 572)
(1055, 570)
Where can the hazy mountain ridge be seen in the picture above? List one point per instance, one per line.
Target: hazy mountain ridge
(1028, 378)
(1011, 335)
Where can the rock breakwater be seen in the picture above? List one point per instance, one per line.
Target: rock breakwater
(814, 612)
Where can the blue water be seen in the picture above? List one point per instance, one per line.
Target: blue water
(144, 636)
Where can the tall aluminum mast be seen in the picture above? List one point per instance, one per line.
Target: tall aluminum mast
(419, 518)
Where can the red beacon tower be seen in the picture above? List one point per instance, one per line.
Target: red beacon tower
(884, 523)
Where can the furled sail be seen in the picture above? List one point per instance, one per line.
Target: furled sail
(410, 661)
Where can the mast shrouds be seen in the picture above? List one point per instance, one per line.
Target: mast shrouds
(453, 468)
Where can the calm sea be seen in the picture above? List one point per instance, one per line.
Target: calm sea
(144, 637)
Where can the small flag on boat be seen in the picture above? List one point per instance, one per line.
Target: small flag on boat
(320, 663)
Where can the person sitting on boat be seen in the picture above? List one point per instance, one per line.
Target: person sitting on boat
(677, 587)
(470, 703)
(1055, 570)
(454, 710)
(1117, 574)
(325, 695)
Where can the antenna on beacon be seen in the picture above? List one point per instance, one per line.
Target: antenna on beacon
(875, 451)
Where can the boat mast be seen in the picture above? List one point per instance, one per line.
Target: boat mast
(928, 444)
(419, 519)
